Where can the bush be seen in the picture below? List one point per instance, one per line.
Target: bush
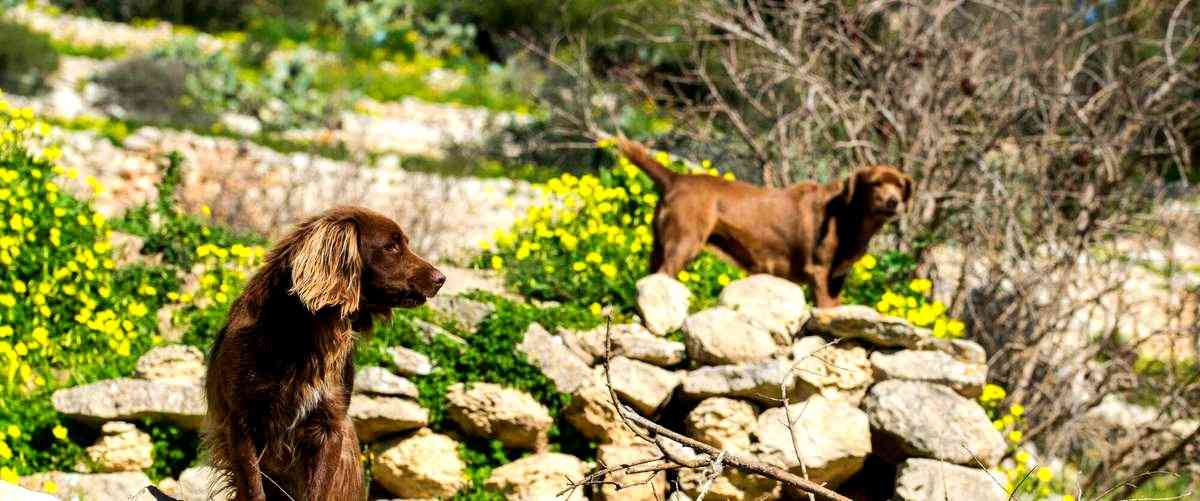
(203, 14)
(26, 58)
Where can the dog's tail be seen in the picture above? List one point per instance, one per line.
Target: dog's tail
(641, 157)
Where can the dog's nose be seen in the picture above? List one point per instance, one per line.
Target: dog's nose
(892, 203)
(439, 279)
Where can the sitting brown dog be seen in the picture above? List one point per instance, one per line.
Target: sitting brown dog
(281, 371)
(808, 233)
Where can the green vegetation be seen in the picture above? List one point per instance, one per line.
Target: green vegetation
(26, 58)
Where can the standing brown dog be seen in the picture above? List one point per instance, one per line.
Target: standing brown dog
(281, 371)
(808, 233)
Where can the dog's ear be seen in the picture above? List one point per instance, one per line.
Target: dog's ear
(847, 187)
(908, 188)
(327, 268)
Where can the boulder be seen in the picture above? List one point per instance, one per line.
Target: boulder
(90, 486)
(637, 487)
(731, 485)
(469, 313)
(929, 480)
(122, 447)
(430, 331)
(425, 465)
(719, 336)
(723, 423)
(932, 366)
(961, 349)
(833, 437)
(627, 340)
(196, 483)
(380, 381)
(863, 322)
(757, 381)
(491, 411)
(641, 385)
(10, 492)
(409, 362)
(917, 419)
(133, 400)
(838, 371)
(556, 361)
(663, 303)
(172, 363)
(538, 477)
(376, 417)
(593, 415)
(770, 303)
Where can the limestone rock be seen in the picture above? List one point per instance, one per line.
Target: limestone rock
(834, 439)
(719, 336)
(491, 411)
(916, 419)
(592, 414)
(409, 362)
(425, 465)
(122, 447)
(838, 371)
(863, 322)
(757, 381)
(931, 366)
(638, 487)
(460, 280)
(723, 423)
(769, 302)
(10, 492)
(132, 400)
(127, 249)
(90, 486)
(556, 361)
(194, 483)
(929, 480)
(961, 349)
(538, 477)
(732, 485)
(380, 381)
(663, 303)
(469, 313)
(375, 417)
(430, 331)
(627, 340)
(172, 363)
(643, 386)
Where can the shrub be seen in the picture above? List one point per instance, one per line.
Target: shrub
(203, 14)
(26, 58)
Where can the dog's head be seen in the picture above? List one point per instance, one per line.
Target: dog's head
(880, 190)
(355, 260)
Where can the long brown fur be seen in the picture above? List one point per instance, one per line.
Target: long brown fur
(808, 233)
(281, 372)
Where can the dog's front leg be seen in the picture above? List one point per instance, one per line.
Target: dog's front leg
(335, 468)
(821, 284)
(247, 473)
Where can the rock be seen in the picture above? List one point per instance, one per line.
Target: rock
(425, 465)
(961, 349)
(627, 340)
(10, 492)
(90, 486)
(242, 125)
(430, 331)
(380, 381)
(538, 477)
(719, 336)
(167, 329)
(723, 423)
(732, 485)
(838, 371)
(122, 447)
(770, 303)
(461, 280)
(175, 362)
(915, 419)
(863, 322)
(757, 381)
(469, 313)
(133, 400)
(375, 417)
(663, 303)
(592, 414)
(556, 361)
(409, 362)
(195, 483)
(638, 487)
(127, 249)
(937, 367)
(834, 438)
(491, 411)
(929, 480)
(641, 385)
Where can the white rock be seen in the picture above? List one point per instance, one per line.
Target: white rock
(663, 302)
(556, 361)
(932, 366)
(837, 370)
(833, 437)
(122, 447)
(593, 415)
(723, 423)
(376, 417)
(132, 400)
(425, 465)
(538, 477)
(197, 482)
(380, 381)
(637, 487)
(732, 485)
(769, 302)
(930, 480)
(643, 386)
(90, 486)
(242, 125)
(491, 411)
(172, 363)
(863, 322)
(915, 419)
(409, 362)
(10, 492)
(719, 336)
(625, 340)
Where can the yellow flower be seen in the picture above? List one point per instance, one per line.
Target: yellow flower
(9, 475)
(1015, 436)
(1017, 410)
(867, 262)
(684, 276)
(578, 266)
(920, 285)
(608, 270)
(1023, 457)
(497, 262)
(1044, 475)
(49, 487)
(593, 257)
(60, 432)
(206, 210)
(1068, 497)
(6, 330)
(5, 451)
(596, 309)
(18, 286)
(13, 431)
(723, 280)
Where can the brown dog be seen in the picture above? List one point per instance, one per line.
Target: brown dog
(281, 371)
(808, 233)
